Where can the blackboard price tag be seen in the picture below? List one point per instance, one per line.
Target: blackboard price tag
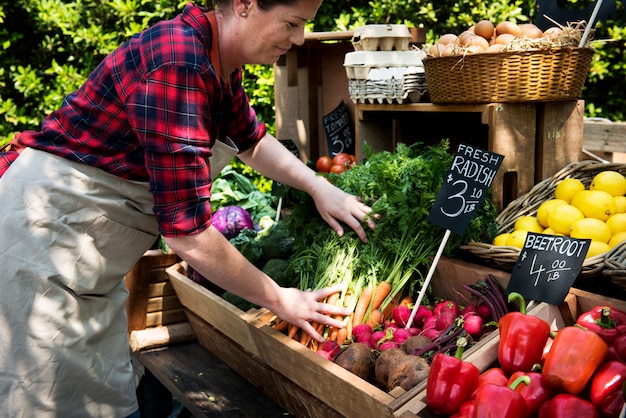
(339, 131)
(465, 187)
(547, 267)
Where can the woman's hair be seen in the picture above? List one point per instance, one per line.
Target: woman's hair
(263, 4)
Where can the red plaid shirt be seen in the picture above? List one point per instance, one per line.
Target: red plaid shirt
(150, 112)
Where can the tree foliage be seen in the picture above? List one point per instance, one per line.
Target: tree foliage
(49, 47)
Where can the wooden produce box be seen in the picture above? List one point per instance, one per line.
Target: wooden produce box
(155, 315)
(217, 312)
(246, 342)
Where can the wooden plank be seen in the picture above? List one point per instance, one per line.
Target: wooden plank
(604, 136)
(205, 385)
(161, 289)
(559, 136)
(278, 388)
(217, 312)
(163, 303)
(154, 319)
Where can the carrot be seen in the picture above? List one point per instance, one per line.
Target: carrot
(333, 330)
(362, 304)
(382, 291)
(281, 325)
(342, 335)
(376, 318)
(389, 308)
(293, 331)
(407, 301)
(306, 338)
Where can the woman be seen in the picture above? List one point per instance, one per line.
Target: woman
(127, 157)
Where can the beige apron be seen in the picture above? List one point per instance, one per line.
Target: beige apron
(70, 232)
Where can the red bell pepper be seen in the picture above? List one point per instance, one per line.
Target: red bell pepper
(535, 393)
(466, 410)
(619, 347)
(605, 321)
(575, 355)
(451, 381)
(493, 376)
(501, 401)
(606, 388)
(522, 339)
(565, 405)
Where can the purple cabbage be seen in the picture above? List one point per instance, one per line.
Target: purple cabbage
(231, 220)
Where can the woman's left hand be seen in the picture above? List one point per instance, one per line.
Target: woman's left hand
(336, 206)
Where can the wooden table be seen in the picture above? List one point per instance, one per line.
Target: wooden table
(205, 385)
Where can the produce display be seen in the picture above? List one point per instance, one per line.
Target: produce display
(487, 37)
(574, 371)
(596, 212)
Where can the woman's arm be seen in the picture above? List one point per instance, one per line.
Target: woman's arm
(210, 253)
(270, 158)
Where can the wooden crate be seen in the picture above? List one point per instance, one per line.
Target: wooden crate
(220, 314)
(247, 343)
(152, 300)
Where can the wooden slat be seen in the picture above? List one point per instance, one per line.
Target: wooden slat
(160, 289)
(164, 303)
(154, 319)
(205, 385)
(604, 136)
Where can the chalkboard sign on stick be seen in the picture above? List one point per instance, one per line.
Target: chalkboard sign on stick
(338, 131)
(466, 184)
(547, 267)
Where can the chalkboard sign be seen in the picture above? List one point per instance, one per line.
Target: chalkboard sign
(547, 267)
(338, 131)
(279, 189)
(465, 187)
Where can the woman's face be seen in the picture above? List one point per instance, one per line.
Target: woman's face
(272, 33)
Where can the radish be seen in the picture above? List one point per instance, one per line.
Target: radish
(377, 338)
(414, 331)
(388, 344)
(421, 315)
(363, 337)
(468, 309)
(391, 325)
(400, 335)
(430, 322)
(432, 333)
(324, 354)
(446, 306)
(473, 324)
(483, 310)
(332, 348)
(444, 320)
(360, 329)
(401, 315)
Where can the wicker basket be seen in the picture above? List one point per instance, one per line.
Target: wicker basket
(505, 257)
(615, 265)
(516, 76)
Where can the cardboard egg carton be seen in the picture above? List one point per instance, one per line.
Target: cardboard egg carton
(381, 38)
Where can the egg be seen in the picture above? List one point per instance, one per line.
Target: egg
(465, 38)
(448, 38)
(436, 50)
(504, 38)
(495, 48)
(508, 27)
(485, 29)
(553, 32)
(530, 30)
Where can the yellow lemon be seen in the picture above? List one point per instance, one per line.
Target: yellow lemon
(620, 204)
(594, 204)
(591, 228)
(545, 208)
(596, 248)
(501, 239)
(609, 181)
(617, 239)
(562, 217)
(528, 223)
(567, 188)
(550, 231)
(517, 238)
(617, 223)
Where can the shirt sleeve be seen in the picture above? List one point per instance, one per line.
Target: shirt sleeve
(170, 114)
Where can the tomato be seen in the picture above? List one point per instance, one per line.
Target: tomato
(339, 168)
(323, 164)
(343, 159)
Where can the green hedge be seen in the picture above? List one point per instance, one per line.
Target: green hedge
(48, 47)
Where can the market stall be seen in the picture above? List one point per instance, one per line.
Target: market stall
(455, 290)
